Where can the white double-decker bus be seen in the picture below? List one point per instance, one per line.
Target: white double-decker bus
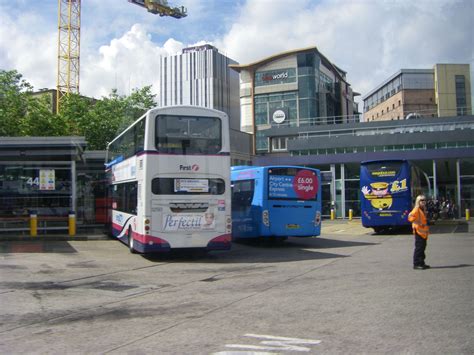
(169, 181)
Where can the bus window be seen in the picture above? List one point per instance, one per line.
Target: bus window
(188, 135)
(242, 194)
(177, 186)
(385, 169)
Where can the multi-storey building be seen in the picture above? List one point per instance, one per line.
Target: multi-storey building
(200, 76)
(292, 89)
(443, 91)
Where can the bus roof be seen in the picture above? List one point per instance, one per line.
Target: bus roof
(252, 167)
(383, 160)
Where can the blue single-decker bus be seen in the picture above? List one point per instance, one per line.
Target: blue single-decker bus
(275, 202)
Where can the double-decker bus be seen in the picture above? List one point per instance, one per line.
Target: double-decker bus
(170, 180)
(275, 202)
(388, 191)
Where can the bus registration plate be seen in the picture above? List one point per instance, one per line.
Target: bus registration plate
(292, 226)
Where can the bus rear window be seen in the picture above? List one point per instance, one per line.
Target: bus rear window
(386, 169)
(187, 186)
(188, 134)
(292, 184)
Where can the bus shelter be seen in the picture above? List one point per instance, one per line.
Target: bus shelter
(52, 177)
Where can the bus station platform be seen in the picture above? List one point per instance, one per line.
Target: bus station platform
(337, 226)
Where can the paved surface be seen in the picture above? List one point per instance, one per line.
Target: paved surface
(347, 292)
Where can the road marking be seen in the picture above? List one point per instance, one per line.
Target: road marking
(271, 343)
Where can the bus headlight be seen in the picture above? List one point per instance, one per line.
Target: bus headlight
(317, 218)
(265, 218)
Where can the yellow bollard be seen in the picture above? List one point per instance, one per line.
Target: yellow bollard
(350, 214)
(33, 224)
(72, 224)
(468, 214)
(333, 214)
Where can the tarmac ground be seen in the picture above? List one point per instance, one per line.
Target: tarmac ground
(348, 291)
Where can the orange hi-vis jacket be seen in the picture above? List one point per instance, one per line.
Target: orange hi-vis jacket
(419, 223)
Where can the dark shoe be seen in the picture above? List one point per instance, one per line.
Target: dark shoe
(420, 267)
(426, 266)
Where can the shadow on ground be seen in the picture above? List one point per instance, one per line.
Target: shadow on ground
(263, 251)
(452, 266)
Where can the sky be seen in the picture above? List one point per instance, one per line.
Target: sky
(121, 42)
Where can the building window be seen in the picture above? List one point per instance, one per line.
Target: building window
(279, 144)
(461, 101)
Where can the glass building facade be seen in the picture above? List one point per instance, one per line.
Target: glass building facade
(292, 89)
(442, 147)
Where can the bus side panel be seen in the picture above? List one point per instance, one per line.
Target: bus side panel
(121, 223)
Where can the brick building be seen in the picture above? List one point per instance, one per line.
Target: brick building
(443, 91)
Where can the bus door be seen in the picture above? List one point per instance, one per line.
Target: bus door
(292, 202)
(244, 220)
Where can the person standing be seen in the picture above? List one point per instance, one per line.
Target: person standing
(419, 224)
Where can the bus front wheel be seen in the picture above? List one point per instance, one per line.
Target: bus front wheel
(131, 241)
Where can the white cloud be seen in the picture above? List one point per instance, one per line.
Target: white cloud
(370, 39)
(32, 55)
(125, 63)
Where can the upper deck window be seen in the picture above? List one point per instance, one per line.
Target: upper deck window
(188, 134)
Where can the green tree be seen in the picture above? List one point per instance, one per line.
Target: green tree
(14, 97)
(74, 111)
(108, 116)
(25, 114)
(40, 120)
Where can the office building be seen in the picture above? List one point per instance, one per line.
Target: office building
(200, 76)
(443, 91)
(292, 89)
(443, 147)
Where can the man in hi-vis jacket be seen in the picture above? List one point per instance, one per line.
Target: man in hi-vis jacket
(419, 223)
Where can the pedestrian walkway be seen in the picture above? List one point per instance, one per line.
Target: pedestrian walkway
(337, 226)
(341, 226)
(81, 235)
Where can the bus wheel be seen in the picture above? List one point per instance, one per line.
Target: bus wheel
(130, 241)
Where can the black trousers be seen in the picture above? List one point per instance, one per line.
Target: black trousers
(419, 254)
